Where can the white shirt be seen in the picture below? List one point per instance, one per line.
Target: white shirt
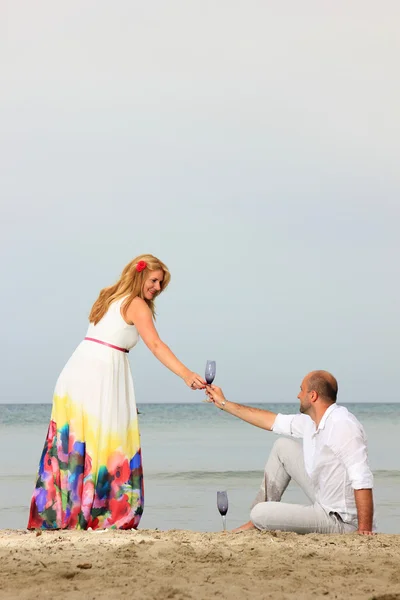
(335, 457)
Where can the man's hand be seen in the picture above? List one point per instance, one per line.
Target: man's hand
(216, 395)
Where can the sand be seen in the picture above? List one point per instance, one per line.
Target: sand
(148, 564)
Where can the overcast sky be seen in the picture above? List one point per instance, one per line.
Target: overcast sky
(252, 145)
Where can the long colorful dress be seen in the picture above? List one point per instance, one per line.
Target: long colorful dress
(90, 472)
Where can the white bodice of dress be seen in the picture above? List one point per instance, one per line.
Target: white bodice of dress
(113, 329)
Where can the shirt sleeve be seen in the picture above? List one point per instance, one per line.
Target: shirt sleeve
(350, 446)
(293, 425)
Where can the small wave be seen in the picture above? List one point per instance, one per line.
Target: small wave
(384, 474)
(243, 475)
(213, 475)
(23, 477)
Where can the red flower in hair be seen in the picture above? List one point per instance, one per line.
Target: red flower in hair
(141, 266)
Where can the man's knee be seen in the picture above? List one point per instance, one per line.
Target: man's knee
(258, 516)
(255, 514)
(284, 446)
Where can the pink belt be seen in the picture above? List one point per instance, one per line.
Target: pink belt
(106, 344)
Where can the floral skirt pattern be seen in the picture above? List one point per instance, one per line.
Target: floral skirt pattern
(89, 476)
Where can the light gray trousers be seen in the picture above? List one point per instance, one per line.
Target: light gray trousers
(286, 462)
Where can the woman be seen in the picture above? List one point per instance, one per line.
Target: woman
(90, 472)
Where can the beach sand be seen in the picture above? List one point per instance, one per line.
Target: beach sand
(151, 564)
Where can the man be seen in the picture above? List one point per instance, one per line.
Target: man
(331, 467)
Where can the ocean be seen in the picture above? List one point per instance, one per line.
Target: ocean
(191, 451)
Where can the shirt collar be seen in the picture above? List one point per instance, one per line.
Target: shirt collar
(326, 415)
(324, 418)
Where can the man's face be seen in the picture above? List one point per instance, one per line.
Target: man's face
(304, 397)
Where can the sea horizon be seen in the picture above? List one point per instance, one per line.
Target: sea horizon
(276, 402)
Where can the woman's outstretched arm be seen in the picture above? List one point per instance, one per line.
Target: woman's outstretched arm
(139, 314)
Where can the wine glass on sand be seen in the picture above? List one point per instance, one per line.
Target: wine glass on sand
(222, 503)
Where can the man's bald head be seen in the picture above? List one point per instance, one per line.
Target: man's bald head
(323, 383)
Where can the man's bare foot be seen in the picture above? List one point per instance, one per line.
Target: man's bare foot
(245, 527)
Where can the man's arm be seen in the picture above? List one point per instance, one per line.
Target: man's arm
(255, 416)
(365, 510)
(350, 446)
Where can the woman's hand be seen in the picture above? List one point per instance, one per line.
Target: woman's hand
(194, 381)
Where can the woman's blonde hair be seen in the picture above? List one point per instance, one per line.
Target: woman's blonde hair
(130, 285)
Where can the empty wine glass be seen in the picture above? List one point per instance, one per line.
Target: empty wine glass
(210, 373)
(222, 503)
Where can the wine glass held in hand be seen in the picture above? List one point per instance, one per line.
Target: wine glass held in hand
(222, 503)
(211, 370)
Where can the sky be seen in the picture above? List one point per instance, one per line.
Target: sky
(252, 145)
